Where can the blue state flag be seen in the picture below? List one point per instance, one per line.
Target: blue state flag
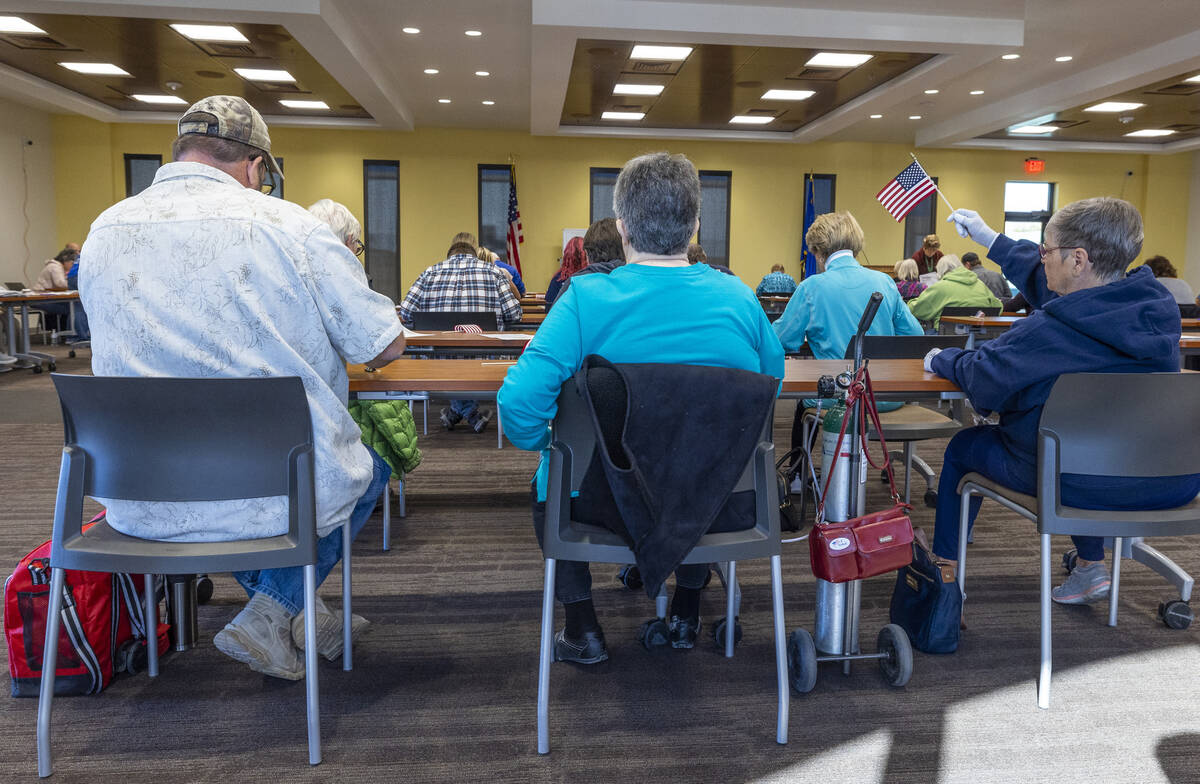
(810, 213)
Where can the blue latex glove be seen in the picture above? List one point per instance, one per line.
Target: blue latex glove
(969, 224)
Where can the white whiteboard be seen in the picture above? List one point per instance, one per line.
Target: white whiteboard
(569, 233)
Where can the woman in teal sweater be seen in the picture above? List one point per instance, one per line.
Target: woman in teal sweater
(655, 308)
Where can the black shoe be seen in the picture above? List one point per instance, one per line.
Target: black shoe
(588, 650)
(479, 419)
(684, 631)
(450, 418)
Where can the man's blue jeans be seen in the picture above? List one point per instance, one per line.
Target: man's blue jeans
(464, 408)
(286, 585)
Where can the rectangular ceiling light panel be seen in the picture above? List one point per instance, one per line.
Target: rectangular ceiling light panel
(1151, 132)
(304, 104)
(98, 69)
(837, 60)
(264, 75)
(15, 24)
(225, 33)
(622, 115)
(787, 95)
(644, 52)
(638, 89)
(1114, 106)
(751, 119)
(158, 99)
(1034, 129)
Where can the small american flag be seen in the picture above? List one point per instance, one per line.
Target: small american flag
(514, 238)
(906, 191)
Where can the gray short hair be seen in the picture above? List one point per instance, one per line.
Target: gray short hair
(338, 218)
(657, 197)
(1109, 229)
(947, 263)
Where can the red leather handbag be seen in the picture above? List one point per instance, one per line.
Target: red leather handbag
(867, 545)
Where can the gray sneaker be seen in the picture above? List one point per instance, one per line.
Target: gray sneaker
(479, 419)
(261, 636)
(329, 630)
(1086, 584)
(449, 418)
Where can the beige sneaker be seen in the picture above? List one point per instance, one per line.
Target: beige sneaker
(329, 630)
(260, 636)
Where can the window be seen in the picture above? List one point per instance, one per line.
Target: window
(139, 172)
(278, 192)
(714, 215)
(824, 186)
(604, 181)
(1027, 209)
(922, 220)
(381, 214)
(494, 183)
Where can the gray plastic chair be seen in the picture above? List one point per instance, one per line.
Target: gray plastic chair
(1074, 439)
(175, 439)
(573, 443)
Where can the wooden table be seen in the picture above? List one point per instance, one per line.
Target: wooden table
(1189, 346)
(27, 357)
(529, 301)
(528, 321)
(1190, 323)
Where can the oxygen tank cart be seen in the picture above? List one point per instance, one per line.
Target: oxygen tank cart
(836, 623)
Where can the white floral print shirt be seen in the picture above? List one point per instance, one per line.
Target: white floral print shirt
(199, 277)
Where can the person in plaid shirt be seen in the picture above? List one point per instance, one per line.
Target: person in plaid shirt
(463, 282)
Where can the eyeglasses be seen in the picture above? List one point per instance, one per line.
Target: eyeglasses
(1043, 250)
(359, 248)
(267, 182)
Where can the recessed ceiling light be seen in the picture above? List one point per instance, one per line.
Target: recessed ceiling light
(1114, 106)
(101, 69)
(1066, 58)
(1151, 132)
(914, 116)
(489, 103)
(197, 32)
(443, 100)
(637, 89)
(977, 92)
(876, 116)
(431, 71)
(1195, 78)
(931, 92)
(158, 99)
(483, 73)
(264, 74)
(644, 52)
(787, 95)
(303, 104)
(1034, 129)
(1012, 56)
(622, 115)
(837, 60)
(15, 24)
(473, 33)
(751, 119)
(410, 30)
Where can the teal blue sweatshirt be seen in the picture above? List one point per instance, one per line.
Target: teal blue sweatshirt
(691, 315)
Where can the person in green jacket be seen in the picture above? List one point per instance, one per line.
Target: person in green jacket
(958, 287)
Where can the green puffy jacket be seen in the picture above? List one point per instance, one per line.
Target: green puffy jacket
(960, 288)
(388, 428)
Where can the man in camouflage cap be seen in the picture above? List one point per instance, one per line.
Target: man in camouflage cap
(202, 275)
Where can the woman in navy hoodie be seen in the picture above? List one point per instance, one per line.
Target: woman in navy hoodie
(1086, 315)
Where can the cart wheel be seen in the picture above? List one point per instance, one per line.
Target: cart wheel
(802, 661)
(897, 666)
(931, 498)
(718, 633)
(71, 353)
(204, 589)
(630, 577)
(883, 476)
(1175, 614)
(37, 368)
(1069, 559)
(654, 633)
(53, 367)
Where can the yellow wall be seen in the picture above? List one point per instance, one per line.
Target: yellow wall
(438, 185)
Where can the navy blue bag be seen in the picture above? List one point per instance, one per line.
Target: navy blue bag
(926, 606)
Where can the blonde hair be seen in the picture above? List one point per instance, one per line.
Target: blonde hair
(338, 218)
(947, 263)
(832, 232)
(906, 269)
(486, 255)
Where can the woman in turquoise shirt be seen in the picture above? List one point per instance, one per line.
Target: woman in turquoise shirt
(655, 308)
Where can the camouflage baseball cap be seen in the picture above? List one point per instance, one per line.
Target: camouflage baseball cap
(230, 117)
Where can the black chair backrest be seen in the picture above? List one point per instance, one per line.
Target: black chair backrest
(186, 439)
(952, 310)
(1157, 438)
(449, 319)
(904, 346)
(1189, 311)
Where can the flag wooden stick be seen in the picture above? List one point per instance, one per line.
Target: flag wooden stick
(935, 187)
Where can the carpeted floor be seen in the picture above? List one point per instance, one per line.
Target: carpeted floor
(445, 680)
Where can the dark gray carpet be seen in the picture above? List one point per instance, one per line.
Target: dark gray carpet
(445, 680)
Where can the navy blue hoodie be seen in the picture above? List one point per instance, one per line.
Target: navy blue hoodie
(1128, 326)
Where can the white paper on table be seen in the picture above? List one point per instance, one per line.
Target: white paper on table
(508, 335)
(408, 333)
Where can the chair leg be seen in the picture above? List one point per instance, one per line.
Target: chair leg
(781, 668)
(387, 519)
(544, 654)
(403, 509)
(312, 695)
(964, 522)
(499, 430)
(908, 458)
(151, 602)
(49, 664)
(347, 647)
(1043, 684)
(1115, 587)
(730, 610)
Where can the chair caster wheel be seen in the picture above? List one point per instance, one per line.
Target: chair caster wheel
(37, 368)
(1176, 614)
(718, 633)
(53, 367)
(71, 353)
(931, 499)
(1069, 559)
(654, 634)
(630, 577)
(204, 589)
(802, 661)
(897, 666)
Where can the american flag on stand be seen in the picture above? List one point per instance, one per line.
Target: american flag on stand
(514, 239)
(906, 191)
